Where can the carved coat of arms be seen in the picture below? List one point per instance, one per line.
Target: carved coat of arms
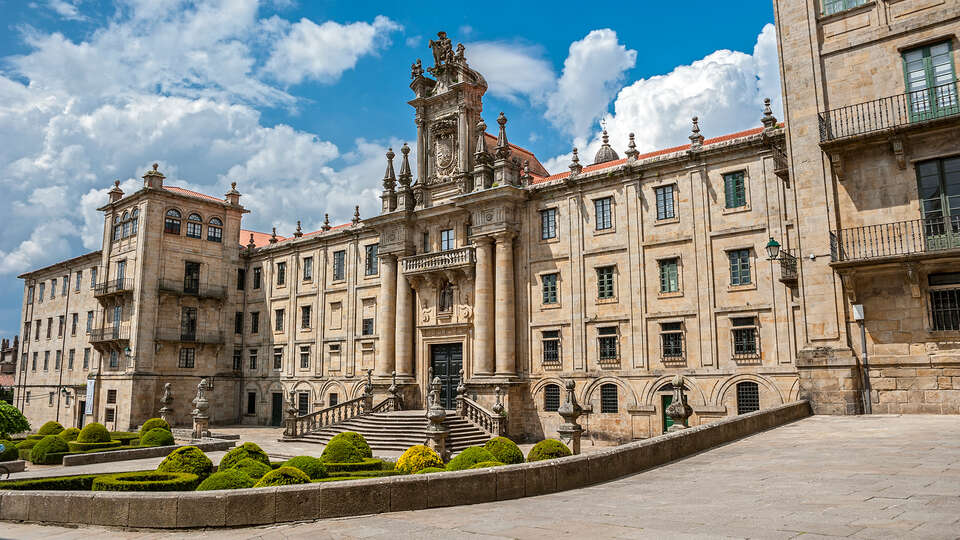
(445, 147)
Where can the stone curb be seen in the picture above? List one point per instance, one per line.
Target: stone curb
(246, 507)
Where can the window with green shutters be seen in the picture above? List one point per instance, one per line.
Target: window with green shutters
(669, 276)
(735, 189)
(665, 208)
(549, 288)
(930, 81)
(739, 266)
(836, 6)
(605, 282)
(603, 208)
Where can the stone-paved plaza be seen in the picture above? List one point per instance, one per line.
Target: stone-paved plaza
(821, 477)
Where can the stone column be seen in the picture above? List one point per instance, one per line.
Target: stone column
(506, 346)
(386, 313)
(483, 309)
(404, 339)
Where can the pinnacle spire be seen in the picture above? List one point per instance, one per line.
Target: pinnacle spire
(632, 149)
(575, 167)
(405, 175)
(273, 236)
(769, 120)
(326, 222)
(696, 138)
(299, 232)
(389, 177)
(503, 147)
(356, 214)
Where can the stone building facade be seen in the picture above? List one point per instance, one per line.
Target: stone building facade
(870, 98)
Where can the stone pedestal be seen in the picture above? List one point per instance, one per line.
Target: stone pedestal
(570, 431)
(166, 412)
(678, 410)
(201, 420)
(436, 434)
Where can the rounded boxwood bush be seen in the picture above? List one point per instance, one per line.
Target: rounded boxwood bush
(312, 466)
(153, 423)
(9, 452)
(69, 434)
(417, 458)
(429, 470)
(244, 451)
(485, 464)
(93, 433)
(228, 479)
(251, 467)
(469, 457)
(146, 481)
(51, 444)
(357, 441)
(27, 444)
(548, 449)
(504, 450)
(341, 451)
(188, 459)
(76, 446)
(284, 476)
(50, 428)
(157, 437)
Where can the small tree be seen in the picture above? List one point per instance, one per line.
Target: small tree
(12, 420)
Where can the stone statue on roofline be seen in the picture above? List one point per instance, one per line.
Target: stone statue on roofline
(442, 49)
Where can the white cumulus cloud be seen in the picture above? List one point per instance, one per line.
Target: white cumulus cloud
(512, 70)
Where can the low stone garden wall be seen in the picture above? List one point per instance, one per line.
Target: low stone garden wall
(245, 507)
(140, 453)
(14, 466)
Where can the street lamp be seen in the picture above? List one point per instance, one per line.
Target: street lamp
(773, 249)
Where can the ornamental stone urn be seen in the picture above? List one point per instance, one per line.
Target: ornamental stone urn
(678, 410)
(570, 431)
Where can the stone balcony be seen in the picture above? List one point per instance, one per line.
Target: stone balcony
(896, 241)
(112, 287)
(454, 259)
(182, 287)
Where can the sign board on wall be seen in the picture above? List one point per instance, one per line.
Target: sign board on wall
(90, 385)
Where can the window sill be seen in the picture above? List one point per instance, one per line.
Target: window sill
(675, 294)
(737, 210)
(553, 240)
(747, 287)
(601, 232)
(552, 305)
(666, 221)
(613, 300)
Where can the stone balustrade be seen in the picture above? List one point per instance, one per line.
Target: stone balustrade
(441, 260)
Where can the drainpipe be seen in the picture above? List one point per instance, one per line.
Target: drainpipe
(864, 358)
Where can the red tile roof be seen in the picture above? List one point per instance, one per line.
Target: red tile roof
(655, 153)
(261, 239)
(190, 193)
(536, 168)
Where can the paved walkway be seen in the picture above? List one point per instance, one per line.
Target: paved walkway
(821, 477)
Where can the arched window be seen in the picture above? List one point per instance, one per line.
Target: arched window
(551, 398)
(134, 219)
(215, 230)
(609, 402)
(445, 301)
(748, 397)
(117, 228)
(126, 225)
(171, 224)
(194, 226)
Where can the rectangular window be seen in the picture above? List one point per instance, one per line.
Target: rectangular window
(304, 357)
(669, 275)
(76, 286)
(339, 263)
(191, 277)
(58, 361)
(93, 277)
(194, 230)
(548, 223)
(60, 326)
(334, 399)
(237, 359)
(49, 327)
(26, 329)
(251, 403)
(188, 324)
(836, 6)
(65, 284)
(665, 208)
(256, 277)
(739, 266)
(278, 320)
(607, 337)
(424, 243)
(254, 322)
(734, 190)
(371, 261)
(281, 273)
(550, 288)
(303, 403)
(241, 279)
(109, 415)
(278, 359)
(114, 360)
(40, 289)
(307, 268)
(551, 398)
(86, 358)
(53, 289)
(74, 323)
(671, 340)
(24, 360)
(745, 342)
(71, 357)
(187, 358)
(447, 240)
(551, 346)
(46, 360)
(253, 359)
(335, 347)
(89, 321)
(603, 208)
(367, 327)
(304, 316)
(214, 234)
(50, 398)
(33, 364)
(944, 301)
(605, 282)
(609, 402)
(30, 293)
(37, 332)
(238, 322)
(931, 81)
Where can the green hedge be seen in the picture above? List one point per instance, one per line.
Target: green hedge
(125, 437)
(146, 481)
(50, 445)
(356, 440)
(504, 450)
(548, 449)
(284, 476)
(93, 433)
(251, 467)
(188, 459)
(23, 453)
(69, 434)
(153, 423)
(157, 437)
(312, 466)
(341, 450)
(245, 450)
(429, 470)
(368, 464)
(358, 476)
(469, 457)
(486, 464)
(228, 479)
(81, 482)
(77, 446)
(50, 428)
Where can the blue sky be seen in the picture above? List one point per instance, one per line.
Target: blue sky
(297, 101)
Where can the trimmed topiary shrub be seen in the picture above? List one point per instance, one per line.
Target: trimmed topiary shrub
(504, 450)
(416, 458)
(469, 457)
(153, 423)
(485, 464)
(146, 481)
(228, 479)
(341, 451)
(357, 441)
(50, 428)
(188, 459)
(126, 438)
(81, 482)
(9, 452)
(548, 449)
(312, 466)
(245, 450)
(252, 468)
(284, 476)
(69, 434)
(368, 464)
(51, 444)
(77, 446)
(27, 444)
(157, 437)
(429, 470)
(12, 421)
(93, 433)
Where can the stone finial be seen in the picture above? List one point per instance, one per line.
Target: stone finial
(575, 167)
(232, 196)
(498, 406)
(503, 147)
(406, 177)
(389, 177)
(606, 152)
(632, 149)
(525, 174)
(696, 138)
(326, 223)
(769, 120)
(273, 236)
(299, 232)
(153, 179)
(251, 244)
(356, 215)
(115, 192)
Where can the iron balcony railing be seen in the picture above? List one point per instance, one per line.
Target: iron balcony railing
(109, 333)
(890, 112)
(440, 260)
(186, 335)
(788, 267)
(781, 166)
(893, 239)
(114, 286)
(192, 288)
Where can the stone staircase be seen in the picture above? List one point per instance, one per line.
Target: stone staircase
(399, 430)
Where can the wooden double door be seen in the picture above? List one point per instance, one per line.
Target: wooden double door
(446, 361)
